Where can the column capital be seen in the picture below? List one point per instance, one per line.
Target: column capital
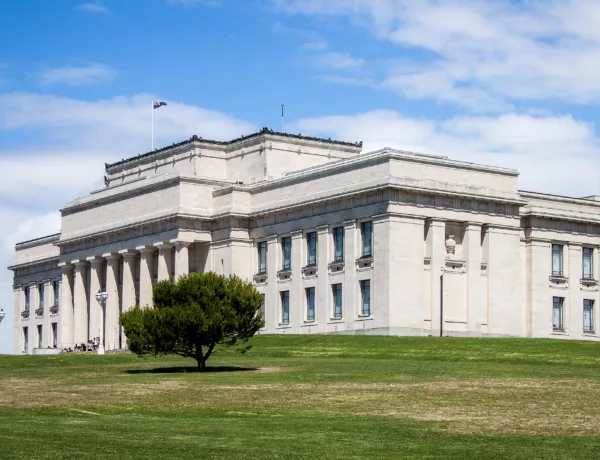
(180, 244)
(296, 233)
(80, 263)
(162, 245)
(128, 253)
(435, 222)
(95, 260)
(66, 266)
(349, 223)
(322, 229)
(145, 249)
(111, 256)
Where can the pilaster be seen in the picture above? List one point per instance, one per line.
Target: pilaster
(273, 303)
(164, 260)
(436, 250)
(472, 256)
(350, 256)
(297, 312)
(65, 328)
(111, 314)
(17, 328)
(146, 275)
(96, 266)
(80, 310)
(182, 260)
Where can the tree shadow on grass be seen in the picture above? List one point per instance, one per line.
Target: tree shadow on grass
(190, 369)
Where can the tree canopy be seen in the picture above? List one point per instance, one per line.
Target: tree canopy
(192, 315)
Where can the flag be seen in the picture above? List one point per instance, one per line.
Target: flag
(157, 104)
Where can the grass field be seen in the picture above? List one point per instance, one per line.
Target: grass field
(303, 397)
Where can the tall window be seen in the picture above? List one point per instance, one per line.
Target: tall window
(557, 313)
(286, 248)
(588, 259)
(588, 315)
(25, 339)
(311, 246)
(557, 260)
(285, 307)
(27, 297)
(41, 291)
(310, 304)
(338, 244)
(337, 300)
(367, 239)
(56, 288)
(365, 293)
(262, 257)
(39, 331)
(54, 335)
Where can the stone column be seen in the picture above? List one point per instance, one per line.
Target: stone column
(436, 237)
(65, 309)
(146, 275)
(80, 309)
(128, 290)
(472, 251)
(111, 313)
(47, 329)
(17, 309)
(323, 306)
(164, 260)
(273, 301)
(297, 297)
(351, 253)
(573, 308)
(96, 265)
(182, 261)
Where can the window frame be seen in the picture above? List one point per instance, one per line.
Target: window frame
(559, 253)
(310, 294)
(558, 303)
(286, 246)
(261, 248)
(588, 304)
(311, 247)
(56, 289)
(27, 298)
(363, 237)
(41, 294)
(25, 339)
(40, 331)
(285, 307)
(338, 240)
(590, 252)
(54, 327)
(337, 293)
(363, 285)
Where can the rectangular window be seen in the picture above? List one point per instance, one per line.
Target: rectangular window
(56, 289)
(285, 307)
(27, 297)
(262, 257)
(557, 260)
(588, 259)
(588, 315)
(54, 335)
(39, 331)
(25, 339)
(41, 292)
(365, 292)
(311, 246)
(286, 249)
(310, 304)
(557, 313)
(367, 239)
(338, 244)
(337, 300)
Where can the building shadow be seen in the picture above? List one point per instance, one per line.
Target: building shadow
(189, 369)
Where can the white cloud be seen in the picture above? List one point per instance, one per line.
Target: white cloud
(91, 8)
(85, 75)
(480, 54)
(63, 157)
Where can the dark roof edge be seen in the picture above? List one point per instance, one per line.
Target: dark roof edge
(35, 240)
(263, 131)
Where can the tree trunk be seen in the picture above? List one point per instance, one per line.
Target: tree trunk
(200, 359)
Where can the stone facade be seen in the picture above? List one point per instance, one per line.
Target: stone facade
(337, 241)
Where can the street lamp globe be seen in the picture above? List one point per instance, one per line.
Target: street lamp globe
(1, 314)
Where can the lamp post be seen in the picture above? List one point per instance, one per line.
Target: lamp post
(1, 314)
(101, 298)
(443, 269)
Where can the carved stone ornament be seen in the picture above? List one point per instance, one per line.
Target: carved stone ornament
(450, 246)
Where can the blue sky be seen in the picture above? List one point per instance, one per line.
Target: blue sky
(508, 83)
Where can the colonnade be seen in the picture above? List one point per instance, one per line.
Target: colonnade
(127, 277)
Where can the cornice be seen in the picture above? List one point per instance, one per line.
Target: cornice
(37, 241)
(33, 263)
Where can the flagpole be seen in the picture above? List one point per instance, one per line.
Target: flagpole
(152, 126)
(282, 117)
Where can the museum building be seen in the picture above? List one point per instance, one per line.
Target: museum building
(336, 240)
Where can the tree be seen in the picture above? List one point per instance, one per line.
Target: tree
(191, 316)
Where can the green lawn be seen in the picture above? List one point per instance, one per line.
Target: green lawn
(306, 397)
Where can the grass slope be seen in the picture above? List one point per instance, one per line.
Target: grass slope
(302, 397)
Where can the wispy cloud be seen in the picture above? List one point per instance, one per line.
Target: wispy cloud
(85, 75)
(306, 34)
(186, 3)
(91, 8)
(335, 61)
(479, 54)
